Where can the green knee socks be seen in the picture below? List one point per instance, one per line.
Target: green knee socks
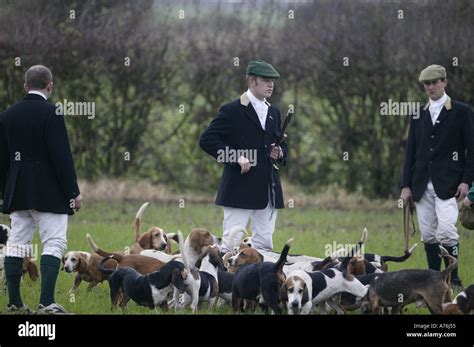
(49, 268)
(13, 267)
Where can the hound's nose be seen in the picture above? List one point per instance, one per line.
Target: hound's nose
(231, 261)
(163, 245)
(294, 304)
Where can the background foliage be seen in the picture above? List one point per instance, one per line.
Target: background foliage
(182, 70)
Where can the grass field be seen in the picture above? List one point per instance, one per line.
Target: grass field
(111, 225)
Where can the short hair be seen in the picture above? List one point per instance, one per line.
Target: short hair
(38, 77)
(250, 77)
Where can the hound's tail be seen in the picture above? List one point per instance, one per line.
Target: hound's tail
(100, 251)
(182, 252)
(357, 249)
(102, 267)
(453, 262)
(233, 236)
(284, 253)
(401, 259)
(354, 251)
(138, 219)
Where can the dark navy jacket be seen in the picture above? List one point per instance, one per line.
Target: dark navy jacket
(36, 164)
(443, 152)
(237, 127)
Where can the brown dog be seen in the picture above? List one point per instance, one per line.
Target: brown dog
(87, 267)
(400, 288)
(154, 238)
(196, 242)
(30, 267)
(141, 263)
(244, 257)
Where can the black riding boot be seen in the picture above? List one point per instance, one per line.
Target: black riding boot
(433, 256)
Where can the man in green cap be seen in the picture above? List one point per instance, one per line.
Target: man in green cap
(439, 166)
(242, 137)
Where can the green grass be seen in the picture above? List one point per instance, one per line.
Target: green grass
(111, 225)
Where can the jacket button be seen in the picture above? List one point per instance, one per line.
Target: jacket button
(273, 184)
(431, 149)
(431, 162)
(432, 136)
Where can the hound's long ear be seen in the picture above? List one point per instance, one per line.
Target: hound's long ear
(305, 295)
(82, 266)
(324, 263)
(214, 253)
(145, 240)
(177, 279)
(350, 269)
(33, 270)
(204, 253)
(284, 293)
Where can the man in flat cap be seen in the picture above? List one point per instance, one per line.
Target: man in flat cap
(439, 166)
(242, 137)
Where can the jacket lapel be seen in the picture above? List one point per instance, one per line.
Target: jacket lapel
(270, 120)
(441, 117)
(425, 114)
(249, 110)
(443, 114)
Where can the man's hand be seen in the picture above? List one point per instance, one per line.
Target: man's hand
(244, 164)
(461, 193)
(467, 202)
(406, 196)
(276, 152)
(78, 202)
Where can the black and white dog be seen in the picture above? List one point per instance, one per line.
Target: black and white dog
(465, 300)
(4, 233)
(260, 282)
(149, 290)
(304, 289)
(207, 277)
(226, 279)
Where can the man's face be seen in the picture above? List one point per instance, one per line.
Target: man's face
(435, 88)
(262, 87)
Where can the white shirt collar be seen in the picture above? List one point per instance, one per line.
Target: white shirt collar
(253, 99)
(37, 93)
(440, 102)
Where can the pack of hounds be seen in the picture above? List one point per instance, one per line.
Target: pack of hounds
(199, 274)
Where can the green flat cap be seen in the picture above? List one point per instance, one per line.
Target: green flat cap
(432, 72)
(262, 68)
